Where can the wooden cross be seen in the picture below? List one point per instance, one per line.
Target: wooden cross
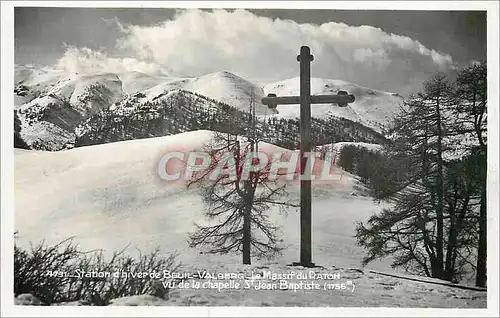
(305, 99)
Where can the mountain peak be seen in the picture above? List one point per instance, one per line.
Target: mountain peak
(89, 93)
(224, 74)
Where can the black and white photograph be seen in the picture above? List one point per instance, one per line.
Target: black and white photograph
(250, 158)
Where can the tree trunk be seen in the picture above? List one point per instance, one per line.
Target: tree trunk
(246, 237)
(247, 221)
(481, 250)
(439, 195)
(451, 247)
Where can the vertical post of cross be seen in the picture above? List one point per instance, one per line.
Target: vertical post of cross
(305, 58)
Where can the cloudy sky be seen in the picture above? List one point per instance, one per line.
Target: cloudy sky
(388, 50)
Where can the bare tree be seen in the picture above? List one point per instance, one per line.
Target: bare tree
(238, 189)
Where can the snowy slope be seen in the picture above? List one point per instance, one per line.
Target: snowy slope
(109, 196)
(367, 290)
(113, 195)
(371, 107)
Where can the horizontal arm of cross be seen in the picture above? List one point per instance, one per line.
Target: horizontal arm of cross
(272, 101)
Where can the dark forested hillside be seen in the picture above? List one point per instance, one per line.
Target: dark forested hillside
(182, 111)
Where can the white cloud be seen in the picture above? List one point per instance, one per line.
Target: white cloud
(85, 60)
(198, 42)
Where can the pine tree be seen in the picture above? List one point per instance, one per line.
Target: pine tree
(413, 230)
(472, 116)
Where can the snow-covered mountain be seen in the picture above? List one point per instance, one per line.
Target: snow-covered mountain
(50, 104)
(222, 86)
(31, 81)
(55, 108)
(372, 108)
(228, 88)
